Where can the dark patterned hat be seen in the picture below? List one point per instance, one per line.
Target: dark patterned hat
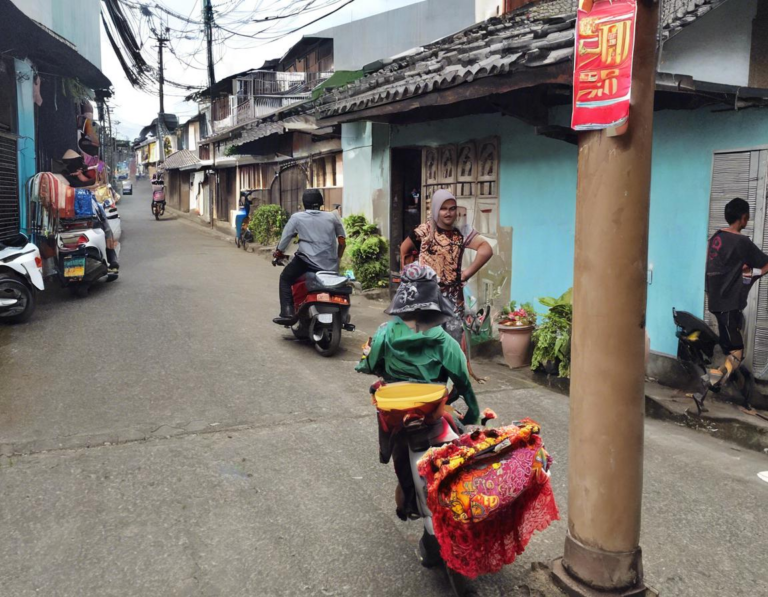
(419, 292)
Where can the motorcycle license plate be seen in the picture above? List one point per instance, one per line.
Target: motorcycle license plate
(74, 267)
(325, 317)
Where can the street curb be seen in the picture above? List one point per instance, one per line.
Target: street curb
(723, 420)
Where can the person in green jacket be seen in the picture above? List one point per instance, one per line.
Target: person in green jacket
(413, 347)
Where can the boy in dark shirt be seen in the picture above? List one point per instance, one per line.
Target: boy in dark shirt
(734, 264)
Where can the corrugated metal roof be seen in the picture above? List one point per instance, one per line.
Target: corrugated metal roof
(536, 35)
(181, 159)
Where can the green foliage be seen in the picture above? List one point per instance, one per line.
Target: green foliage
(367, 253)
(552, 338)
(230, 151)
(267, 223)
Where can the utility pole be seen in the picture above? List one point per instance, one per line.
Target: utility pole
(208, 21)
(605, 478)
(161, 41)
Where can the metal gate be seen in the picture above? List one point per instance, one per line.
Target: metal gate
(288, 187)
(743, 174)
(9, 189)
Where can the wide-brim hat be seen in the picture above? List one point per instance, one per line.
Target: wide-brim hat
(419, 292)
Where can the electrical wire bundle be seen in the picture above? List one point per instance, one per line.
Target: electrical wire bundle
(132, 24)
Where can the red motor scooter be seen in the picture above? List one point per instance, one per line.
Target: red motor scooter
(321, 301)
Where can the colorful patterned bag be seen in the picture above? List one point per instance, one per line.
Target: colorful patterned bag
(488, 492)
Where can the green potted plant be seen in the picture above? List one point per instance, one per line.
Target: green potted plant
(552, 339)
(516, 324)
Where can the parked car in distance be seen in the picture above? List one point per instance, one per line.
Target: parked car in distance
(127, 187)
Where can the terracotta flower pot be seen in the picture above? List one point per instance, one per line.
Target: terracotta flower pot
(516, 344)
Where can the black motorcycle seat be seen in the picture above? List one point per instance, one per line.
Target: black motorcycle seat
(690, 323)
(328, 281)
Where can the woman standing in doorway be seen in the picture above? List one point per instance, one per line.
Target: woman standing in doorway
(440, 244)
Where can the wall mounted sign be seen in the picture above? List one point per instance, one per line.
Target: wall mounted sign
(602, 73)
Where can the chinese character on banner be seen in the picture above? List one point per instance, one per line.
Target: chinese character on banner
(602, 73)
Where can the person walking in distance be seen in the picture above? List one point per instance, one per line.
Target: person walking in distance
(734, 264)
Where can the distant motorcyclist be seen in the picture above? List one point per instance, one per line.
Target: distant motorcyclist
(321, 244)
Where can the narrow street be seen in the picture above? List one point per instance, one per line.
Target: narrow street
(163, 437)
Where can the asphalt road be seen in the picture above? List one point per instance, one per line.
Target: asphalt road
(175, 442)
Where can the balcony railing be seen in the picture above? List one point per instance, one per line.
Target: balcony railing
(261, 93)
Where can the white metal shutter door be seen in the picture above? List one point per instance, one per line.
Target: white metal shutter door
(758, 342)
(733, 175)
(9, 190)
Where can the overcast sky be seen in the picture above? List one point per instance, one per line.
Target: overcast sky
(135, 109)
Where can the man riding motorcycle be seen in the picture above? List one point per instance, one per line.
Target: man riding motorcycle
(321, 244)
(413, 346)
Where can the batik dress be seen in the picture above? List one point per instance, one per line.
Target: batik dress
(443, 251)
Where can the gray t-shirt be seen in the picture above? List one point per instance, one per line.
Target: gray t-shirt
(318, 232)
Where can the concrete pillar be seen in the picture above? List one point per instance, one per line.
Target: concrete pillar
(607, 385)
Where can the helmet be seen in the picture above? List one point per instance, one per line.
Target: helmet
(312, 199)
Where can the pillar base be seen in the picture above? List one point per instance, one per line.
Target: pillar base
(573, 587)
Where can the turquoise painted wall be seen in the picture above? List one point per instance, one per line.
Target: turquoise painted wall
(538, 188)
(682, 170)
(366, 172)
(27, 163)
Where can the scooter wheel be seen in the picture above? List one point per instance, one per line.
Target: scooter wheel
(81, 290)
(329, 342)
(459, 583)
(429, 551)
(12, 287)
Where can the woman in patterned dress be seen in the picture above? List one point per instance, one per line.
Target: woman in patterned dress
(440, 244)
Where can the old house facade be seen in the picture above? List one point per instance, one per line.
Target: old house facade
(499, 94)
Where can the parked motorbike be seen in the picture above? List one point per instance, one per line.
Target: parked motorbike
(158, 203)
(81, 256)
(696, 343)
(21, 276)
(321, 302)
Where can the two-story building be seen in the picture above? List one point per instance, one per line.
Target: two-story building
(264, 136)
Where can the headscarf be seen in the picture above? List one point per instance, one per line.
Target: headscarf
(440, 197)
(418, 291)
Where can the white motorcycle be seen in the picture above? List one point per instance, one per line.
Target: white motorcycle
(81, 253)
(21, 276)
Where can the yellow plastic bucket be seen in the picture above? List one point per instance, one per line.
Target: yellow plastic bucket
(406, 395)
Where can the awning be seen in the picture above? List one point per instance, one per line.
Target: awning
(22, 37)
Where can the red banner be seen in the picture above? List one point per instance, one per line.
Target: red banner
(602, 72)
